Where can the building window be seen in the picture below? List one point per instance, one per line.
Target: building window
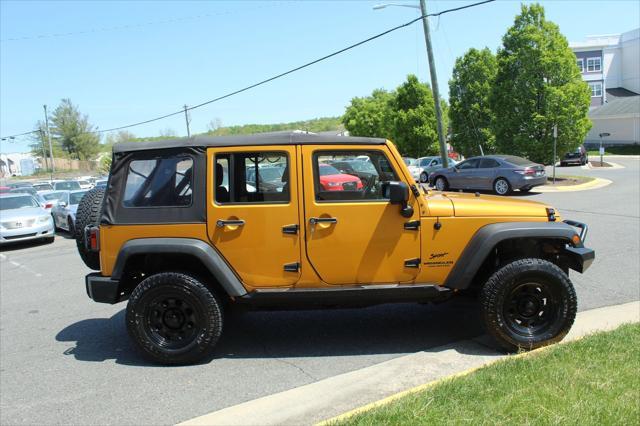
(580, 63)
(596, 90)
(594, 64)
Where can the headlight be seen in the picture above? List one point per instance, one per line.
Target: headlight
(44, 219)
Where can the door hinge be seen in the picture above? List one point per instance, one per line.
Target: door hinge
(412, 263)
(412, 225)
(290, 229)
(292, 267)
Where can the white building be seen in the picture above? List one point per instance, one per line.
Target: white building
(11, 163)
(610, 64)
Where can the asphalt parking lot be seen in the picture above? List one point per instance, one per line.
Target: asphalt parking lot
(66, 359)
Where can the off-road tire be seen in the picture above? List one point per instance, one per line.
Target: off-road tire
(152, 325)
(445, 184)
(498, 306)
(424, 178)
(88, 213)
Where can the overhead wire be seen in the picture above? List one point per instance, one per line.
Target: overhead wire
(290, 71)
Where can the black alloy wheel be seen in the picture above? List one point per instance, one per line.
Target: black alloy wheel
(174, 318)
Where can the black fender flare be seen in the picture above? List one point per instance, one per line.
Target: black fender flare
(199, 249)
(487, 237)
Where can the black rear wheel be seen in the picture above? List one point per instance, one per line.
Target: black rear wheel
(174, 319)
(441, 183)
(88, 213)
(424, 178)
(527, 304)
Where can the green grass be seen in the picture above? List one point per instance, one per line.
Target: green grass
(618, 150)
(592, 381)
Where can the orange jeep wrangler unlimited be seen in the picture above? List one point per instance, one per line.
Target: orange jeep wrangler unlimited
(188, 227)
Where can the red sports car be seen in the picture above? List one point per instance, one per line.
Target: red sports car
(332, 180)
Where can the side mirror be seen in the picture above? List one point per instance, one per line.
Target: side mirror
(398, 193)
(62, 204)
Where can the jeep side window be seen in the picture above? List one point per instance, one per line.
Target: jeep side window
(351, 175)
(159, 182)
(252, 177)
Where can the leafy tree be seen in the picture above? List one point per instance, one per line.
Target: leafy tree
(414, 121)
(40, 144)
(321, 124)
(370, 116)
(72, 132)
(538, 85)
(470, 111)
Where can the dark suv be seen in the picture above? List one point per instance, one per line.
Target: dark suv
(577, 156)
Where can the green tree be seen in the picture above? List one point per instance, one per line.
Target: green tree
(470, 112)
(117, 137)
(414, 128)
(71, 130)
(537, 86)
(370, 116)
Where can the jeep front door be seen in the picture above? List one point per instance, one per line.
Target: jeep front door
(253, 213)
(352, 233)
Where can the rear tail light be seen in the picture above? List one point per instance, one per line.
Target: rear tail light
(92, 238)
(529, 171)
(48, 206)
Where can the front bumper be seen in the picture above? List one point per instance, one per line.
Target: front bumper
(580, 258)
(44, 230)
(103, 289)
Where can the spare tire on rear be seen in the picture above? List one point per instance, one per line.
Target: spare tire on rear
(88, 214)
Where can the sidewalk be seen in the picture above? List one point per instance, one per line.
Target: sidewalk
(330, 397)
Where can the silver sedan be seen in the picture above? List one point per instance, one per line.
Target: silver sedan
(22, 218)
(64, 213)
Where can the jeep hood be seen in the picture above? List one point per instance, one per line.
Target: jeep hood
(469, 205)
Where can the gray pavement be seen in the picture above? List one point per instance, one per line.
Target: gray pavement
(65, 359)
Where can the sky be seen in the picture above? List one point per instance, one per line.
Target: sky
(127, 61)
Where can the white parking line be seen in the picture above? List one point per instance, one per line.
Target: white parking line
(21, 266)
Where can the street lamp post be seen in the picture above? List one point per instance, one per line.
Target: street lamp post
(432, 72)
(601, 150)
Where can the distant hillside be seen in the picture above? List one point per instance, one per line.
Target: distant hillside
(322, 124)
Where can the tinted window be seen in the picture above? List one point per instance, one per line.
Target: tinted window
(518, 161)
(469, 164)
(54, 196)
(488, 163)
(67, 186)
(355, 180)
(10, 203)
(159, 182)
(75, 197)
(252, 177)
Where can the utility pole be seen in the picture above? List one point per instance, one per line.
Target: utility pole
(46, 122)
(555, 145)
(44, 153)
(186, 119)
(434, 85)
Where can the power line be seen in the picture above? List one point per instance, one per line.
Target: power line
(292, 70)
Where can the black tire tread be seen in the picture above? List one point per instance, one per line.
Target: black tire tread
(88, 213)
(490, 297)
(214, 317)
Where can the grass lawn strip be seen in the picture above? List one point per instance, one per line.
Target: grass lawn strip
(595, 380)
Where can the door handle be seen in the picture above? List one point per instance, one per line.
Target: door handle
(315, 220)
(221, 223)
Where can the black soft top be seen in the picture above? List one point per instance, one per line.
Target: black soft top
(271, 138)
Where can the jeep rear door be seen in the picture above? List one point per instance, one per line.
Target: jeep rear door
(352, 233)
(253, 212)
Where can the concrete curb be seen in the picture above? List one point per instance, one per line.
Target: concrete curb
(333, 396)
(596, 183)
(614, 166)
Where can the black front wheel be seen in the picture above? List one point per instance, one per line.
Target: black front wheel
(527, 304)
(173, 318)
(424, 178)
